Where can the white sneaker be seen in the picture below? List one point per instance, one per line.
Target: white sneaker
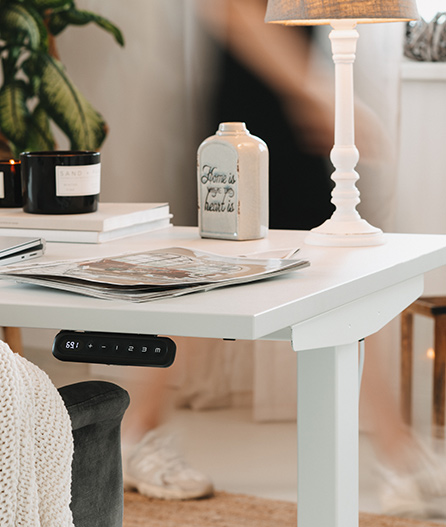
(154, 469)
(419, 494)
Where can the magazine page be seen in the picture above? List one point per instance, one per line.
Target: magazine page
(149, 275)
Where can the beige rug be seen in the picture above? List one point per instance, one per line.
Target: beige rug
(230, 510)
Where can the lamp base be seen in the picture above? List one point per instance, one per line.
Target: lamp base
(345, 234)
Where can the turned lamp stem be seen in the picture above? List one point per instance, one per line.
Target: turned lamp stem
(345, 227)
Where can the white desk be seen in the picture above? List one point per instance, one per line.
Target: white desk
(323, 310)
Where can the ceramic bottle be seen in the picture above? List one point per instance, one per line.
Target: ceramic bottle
(232, 168)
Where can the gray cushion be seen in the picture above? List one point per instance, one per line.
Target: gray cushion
(96, 409)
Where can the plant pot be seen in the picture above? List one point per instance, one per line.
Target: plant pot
(10, 184)
(60, 182)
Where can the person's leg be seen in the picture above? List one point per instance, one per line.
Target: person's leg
(390, 433)
(149, 403)
(151, 464)
(414, 477)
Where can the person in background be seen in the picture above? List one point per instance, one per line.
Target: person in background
(152, 464)
(296, 121)
(412, 474)
(265, 78)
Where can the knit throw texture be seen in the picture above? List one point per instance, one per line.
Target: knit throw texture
(36, 447)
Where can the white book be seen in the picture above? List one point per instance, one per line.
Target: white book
(108, 217)
(77, 236)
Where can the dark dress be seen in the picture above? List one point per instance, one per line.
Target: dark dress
(299, 184)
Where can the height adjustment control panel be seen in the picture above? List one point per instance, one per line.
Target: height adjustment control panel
(114, 348)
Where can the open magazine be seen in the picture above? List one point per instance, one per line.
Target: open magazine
(149, 275)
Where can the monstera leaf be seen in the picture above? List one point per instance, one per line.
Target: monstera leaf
(43, 5)
(20, 24)
(35, 88)
(68, 108)
(59, 20)
(14, 112)
(40, 136)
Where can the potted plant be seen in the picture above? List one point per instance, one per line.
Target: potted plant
(36, 89)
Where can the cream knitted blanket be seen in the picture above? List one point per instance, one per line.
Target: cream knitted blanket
(36, 447)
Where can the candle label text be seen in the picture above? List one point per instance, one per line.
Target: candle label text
(79, 180)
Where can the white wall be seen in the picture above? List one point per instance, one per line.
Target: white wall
(144, 91)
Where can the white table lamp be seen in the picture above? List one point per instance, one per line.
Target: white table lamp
(345, 227)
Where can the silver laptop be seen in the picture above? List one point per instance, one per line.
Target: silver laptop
(15, 249)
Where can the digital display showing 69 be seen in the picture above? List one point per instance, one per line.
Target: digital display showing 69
(73, 345)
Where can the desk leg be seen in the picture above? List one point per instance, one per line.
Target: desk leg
(327, 437)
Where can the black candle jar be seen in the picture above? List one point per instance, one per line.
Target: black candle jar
(10, 184)
(61, 181)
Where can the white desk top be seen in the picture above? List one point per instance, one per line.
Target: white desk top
(336, 277)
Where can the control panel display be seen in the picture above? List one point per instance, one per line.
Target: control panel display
(114, 348)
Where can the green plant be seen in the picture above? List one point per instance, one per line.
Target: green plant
(36, 88)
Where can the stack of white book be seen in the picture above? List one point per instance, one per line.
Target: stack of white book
(109, 222)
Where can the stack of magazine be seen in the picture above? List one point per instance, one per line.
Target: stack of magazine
(150, 275)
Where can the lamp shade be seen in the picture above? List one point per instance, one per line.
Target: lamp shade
(314, 12)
